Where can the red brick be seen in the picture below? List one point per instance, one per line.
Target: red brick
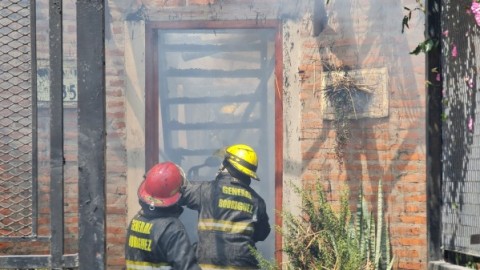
(407, 230)
(410, 241)
(411, 265)
(411, 219)
(201, 2)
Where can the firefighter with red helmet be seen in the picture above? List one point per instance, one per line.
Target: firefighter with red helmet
(156, 238)
(232, 216)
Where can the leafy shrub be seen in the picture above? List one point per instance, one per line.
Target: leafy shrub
(321, 238)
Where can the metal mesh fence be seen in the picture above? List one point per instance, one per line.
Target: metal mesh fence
(461, 133)
(15, 119)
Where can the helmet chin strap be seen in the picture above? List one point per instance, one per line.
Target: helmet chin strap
(222, 168)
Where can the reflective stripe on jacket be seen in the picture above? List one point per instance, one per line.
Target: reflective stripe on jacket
(216, 267)
(139, 265)
(232, 218)
(225, 226)
(158, 241)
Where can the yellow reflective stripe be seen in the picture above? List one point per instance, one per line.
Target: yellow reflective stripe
(141, 265)
(213, 267)
(224, 226)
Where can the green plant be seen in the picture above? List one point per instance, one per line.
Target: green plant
(406, 18)
(430, 42)
(373, 237)
(321, 238)
(344, 94)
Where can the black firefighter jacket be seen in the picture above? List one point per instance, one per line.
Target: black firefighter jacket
(157, 240)
(232, 217)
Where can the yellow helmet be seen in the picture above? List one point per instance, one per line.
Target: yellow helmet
(243, 158)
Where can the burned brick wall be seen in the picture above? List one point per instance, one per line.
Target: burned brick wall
(361, 42)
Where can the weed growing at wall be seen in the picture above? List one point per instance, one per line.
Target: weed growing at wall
(321, 238)
(345, 95)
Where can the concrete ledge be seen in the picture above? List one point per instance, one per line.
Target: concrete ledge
(442, 265)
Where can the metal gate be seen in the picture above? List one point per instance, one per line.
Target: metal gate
(30, 236)
(460, 39)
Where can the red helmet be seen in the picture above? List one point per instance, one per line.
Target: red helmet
(161, 187)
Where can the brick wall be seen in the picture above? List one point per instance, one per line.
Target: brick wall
(392, 148)
(362, 35)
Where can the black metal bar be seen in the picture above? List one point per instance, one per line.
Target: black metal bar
(33, 55)
(238, 47)
(25, 261)
(267, 71)
(195, 152)
(25, 239)
(434, 132)
(173, 125)
(56, 133)
(92, 134)
(211, 100)
(213, 73)
(474, 239)
(35, 261)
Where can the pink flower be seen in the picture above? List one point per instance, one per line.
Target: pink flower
(475, 8)
(470, 83)
(438, 78)
(454, 51)
(470, 123)
(445, 33)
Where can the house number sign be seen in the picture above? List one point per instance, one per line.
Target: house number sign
(69, 81)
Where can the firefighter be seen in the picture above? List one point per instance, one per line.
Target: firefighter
(156, 238)
(232, 216)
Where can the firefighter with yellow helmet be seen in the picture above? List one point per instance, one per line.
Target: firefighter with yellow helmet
(232, 216)
(156, 238)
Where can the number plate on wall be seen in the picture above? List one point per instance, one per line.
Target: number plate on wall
(69, 81)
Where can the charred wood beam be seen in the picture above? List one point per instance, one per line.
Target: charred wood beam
(241, 47)
(213, 73)
(173, 125)
(211, 100)
(195, 152)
